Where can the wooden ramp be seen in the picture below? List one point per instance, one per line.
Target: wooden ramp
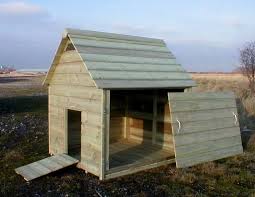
(45, 166)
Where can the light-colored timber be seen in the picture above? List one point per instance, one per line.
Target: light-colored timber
(126, 152)
(108, 108)
(45, 166)
(117, 61)
(208, 137)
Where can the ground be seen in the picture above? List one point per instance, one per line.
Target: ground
(23, 139)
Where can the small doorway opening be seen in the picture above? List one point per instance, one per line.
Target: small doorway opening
(74, 133)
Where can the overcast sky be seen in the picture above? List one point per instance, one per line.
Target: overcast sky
(203, 35)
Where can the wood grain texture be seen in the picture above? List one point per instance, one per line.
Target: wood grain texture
(104, 35)
(74, 89)
(83, 104)
(123, 52)
(102, 54)
(199, 95)
(117, 45)
(194, 105)
(79, 79)
(125, 59)
(204, 125)
(125, 170)
(89, 93)
(69, 57)
(106, 105)
(131, 58)
(133, 75)
(208, 129)
(139, 67)
(130, 152)
(45, 166)
(210, 156)
(70, 68)
(116, 128)
(133, 84)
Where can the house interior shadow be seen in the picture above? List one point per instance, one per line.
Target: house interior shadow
(138, 148)
(139, 152)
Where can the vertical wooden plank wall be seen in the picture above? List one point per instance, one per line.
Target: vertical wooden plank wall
(117, 117)
(71, 87)
(159, 130)
(164, 129)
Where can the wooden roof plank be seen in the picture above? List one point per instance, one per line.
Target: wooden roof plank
(133, 75)
(102, 52)
(129, 84)
(126, 59)
(97, 34)
(123, 52)
(117, 45)
(138, 67)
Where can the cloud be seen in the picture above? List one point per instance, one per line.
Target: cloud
(28, 29)
(171, 35)
(19, 8)
(194, 52)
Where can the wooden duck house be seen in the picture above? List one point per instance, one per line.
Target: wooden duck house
(120, 104)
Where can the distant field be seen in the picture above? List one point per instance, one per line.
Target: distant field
(30, 84)
(225, 76)
(21, 85)
(24, 139)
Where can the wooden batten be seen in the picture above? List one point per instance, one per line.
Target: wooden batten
(126, 170)
(105, 133)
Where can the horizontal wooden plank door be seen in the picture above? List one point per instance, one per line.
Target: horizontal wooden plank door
(205, 127)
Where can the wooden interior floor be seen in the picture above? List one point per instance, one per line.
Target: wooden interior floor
(127, 152)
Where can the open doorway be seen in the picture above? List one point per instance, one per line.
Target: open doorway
(74, 133)
(140, 127)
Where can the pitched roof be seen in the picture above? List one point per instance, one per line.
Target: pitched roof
(122, 61)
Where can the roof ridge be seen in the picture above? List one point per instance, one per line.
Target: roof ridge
(71, 31)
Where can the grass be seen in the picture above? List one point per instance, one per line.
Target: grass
(235, 83)
(21, 86)
(24, 139)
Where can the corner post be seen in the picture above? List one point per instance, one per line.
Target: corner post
(105, 133)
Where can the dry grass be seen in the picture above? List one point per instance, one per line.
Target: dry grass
(230, 82)
(13, 86)
(233, 176)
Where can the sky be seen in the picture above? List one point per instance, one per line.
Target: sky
(204, 35)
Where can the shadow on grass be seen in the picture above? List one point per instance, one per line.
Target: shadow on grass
(24, 104)
(12, 79)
